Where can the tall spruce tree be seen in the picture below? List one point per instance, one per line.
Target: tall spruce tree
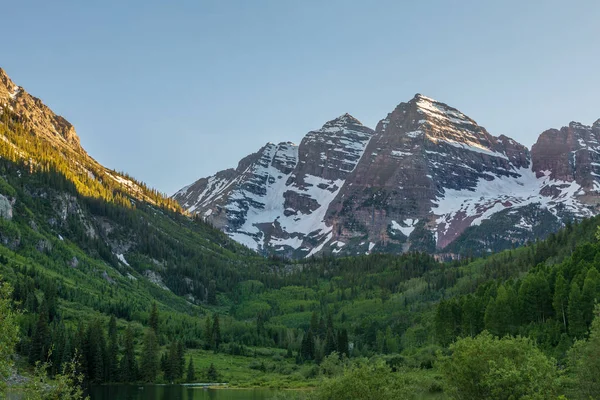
(191, 372)
(113, 350)
(208, 334)
(216, 333)
(149, 360)
(577, 326)
(40, 341)
(560, 300)
(153, 320)
(129, 368)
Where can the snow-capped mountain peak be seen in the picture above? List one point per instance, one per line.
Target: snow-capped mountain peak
(425, 179)
(344, 120)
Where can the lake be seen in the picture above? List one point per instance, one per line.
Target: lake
(175, 392)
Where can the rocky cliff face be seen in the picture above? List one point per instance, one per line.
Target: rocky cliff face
(425, 178)
(35, 115)
(571, 153)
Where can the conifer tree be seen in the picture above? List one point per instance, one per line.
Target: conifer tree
(216, 333)
(577, 327)
(307, 348)
(40, 341)
(212, 292)
(113, 350)
(149, 360)
(330, 345)
(343, 342)
(153, 320)
(94, 351)
(191, 372)
(560, 300)
(208, 334)
(129, 369)
(212, 375)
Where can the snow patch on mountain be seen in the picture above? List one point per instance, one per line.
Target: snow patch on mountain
(502, 192)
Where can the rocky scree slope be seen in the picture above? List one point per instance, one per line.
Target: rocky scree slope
(428, 178)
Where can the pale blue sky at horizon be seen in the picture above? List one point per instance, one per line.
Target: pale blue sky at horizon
(173, 91)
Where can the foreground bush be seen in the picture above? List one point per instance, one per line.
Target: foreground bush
(368, 381)
(486, 367)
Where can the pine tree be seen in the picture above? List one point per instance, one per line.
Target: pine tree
(560, 300)
(40, 341)
(165, 366)
(314, 323)
(191, 372)
(343, 342)
(113, 350)
(212, 293)
(208, 334)
(212, 375)
(95, 353)
(330, 345)
(577, 327)
(216, 333)
(307, 348)
(149, 361)
(180, 358)
(153, 320)
(129, 369)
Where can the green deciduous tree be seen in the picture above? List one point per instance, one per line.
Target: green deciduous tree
(372, 381)
(9, 332)
(589, 294)
(500, 316)
(584, 363)
(486, 367)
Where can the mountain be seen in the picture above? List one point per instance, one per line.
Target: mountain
(279, 196)
(75, 218)
(427, 178)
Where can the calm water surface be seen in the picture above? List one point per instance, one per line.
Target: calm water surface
(175, 392)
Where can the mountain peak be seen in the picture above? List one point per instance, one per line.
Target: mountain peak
(4, 78)
(342, 121)
(596, 124)
(36, 115)
(8, 89)
(577, 125)
(419, 96)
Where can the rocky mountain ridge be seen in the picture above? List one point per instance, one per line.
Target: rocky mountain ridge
(42, 128)
(425, 179)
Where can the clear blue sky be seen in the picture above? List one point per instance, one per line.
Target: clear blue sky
(173, 91)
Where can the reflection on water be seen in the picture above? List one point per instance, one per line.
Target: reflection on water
(175, 392)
